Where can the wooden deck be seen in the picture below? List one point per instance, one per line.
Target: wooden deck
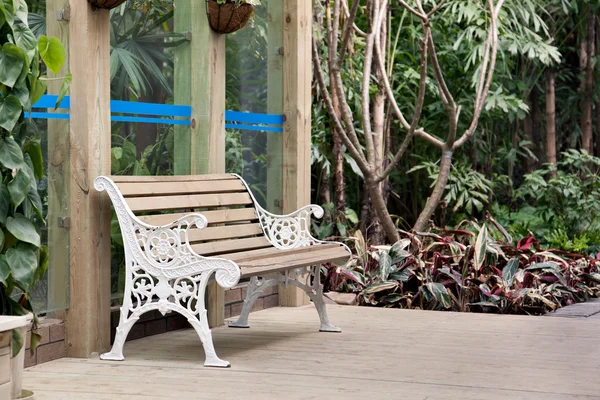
(382, 354)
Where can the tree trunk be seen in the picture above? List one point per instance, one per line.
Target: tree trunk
(325, 192)
(536, 135)
(550, 118)
(588, 85)
(436, 196)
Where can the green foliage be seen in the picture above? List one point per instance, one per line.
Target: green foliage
(565, 207)
(23, 260)
(466, 270)
(467, 191)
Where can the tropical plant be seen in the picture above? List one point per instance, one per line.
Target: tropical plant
(466, 270)
(23, 259)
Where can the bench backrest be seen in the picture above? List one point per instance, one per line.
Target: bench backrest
(223, 198)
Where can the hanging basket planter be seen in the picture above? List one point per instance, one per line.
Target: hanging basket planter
(107, 4)
(228, 17)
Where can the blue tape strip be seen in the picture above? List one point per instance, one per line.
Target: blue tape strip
(40, 115)
(253, 118)
(253, 128)
(49, 100)
(163, 110)
(118, 118)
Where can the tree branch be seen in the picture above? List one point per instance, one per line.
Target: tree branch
(418, 110)
(487, 74)
(366, 83)
(346, 33)
(359, 31)
(436, 8)
(412, 10)
(354, 152)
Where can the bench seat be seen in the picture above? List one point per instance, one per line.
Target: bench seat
(180, 231)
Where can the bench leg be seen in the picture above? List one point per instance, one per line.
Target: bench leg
(116, 353)
(255, 289)
(314, 290)
(200, 324)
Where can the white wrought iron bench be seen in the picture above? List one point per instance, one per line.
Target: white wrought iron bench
(189, 227)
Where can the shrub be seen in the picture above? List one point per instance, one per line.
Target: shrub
(466, 270)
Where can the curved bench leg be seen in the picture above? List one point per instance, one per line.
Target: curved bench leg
(116, 353)
(255, 289)
(202, 329)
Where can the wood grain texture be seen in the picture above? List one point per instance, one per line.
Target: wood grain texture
(129, 189)
(88, 318)
(283, 262)
(213, 216)
(297, 73)
(381, 354)
(275, 106)
(175, 178)
(230, 246)
(202, 68)
(58, 175)
(142, 204)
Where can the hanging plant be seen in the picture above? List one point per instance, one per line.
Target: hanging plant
(227, 16)
(106, 4)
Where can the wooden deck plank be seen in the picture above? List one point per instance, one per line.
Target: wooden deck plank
(382, 353)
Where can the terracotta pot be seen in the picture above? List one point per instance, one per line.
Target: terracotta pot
(107, 4)
(228, 17)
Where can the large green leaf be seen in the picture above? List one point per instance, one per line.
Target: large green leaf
(22, 93)
(17, 342)
(379, 287)
(509, 271)
(64, 89)
(439, 292)
(23, 229)
(21, 11)
(385, 265)
(5, 203)
(12, 64)
(34, 149)
(10, 111)
(52, 53)
(11, 156)
(23, 263)
(20, 185)
(480, 248)
(4, 269)
(26, 40)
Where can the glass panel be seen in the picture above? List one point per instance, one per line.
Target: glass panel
(142, 47)
(52, 293)
(254, 85)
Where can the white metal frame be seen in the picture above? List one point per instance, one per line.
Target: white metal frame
(164, 273)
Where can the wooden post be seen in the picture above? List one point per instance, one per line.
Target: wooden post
(275, 105)
(88, 317)
(58, 176)
(200, 82)
(297, 73)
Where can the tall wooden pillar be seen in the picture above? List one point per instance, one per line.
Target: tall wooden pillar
(88, 317)
(200, 83)
(297, 77)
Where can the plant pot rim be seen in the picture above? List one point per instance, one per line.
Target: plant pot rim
(10, 322)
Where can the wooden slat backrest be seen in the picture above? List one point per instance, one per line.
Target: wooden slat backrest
(223, 199)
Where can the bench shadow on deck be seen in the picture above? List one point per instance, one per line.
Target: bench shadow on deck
(381, 354)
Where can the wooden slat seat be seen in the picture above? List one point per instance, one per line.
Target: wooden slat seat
(180, 230)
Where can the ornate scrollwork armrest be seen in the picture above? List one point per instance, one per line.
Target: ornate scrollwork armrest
(292, 230)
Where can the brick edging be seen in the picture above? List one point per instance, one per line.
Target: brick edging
(52, 343)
